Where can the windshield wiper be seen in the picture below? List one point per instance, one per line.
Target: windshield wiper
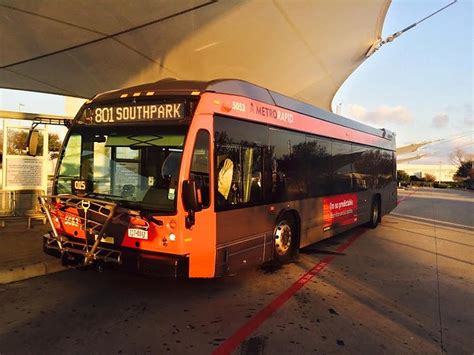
(142, 142)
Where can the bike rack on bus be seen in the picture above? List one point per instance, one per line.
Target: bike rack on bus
(96, 216)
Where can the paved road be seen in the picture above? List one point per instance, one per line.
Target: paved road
(406, 286)
(438, 205)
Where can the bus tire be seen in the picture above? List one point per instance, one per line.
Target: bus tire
(50, 251)
(285, 238)
(374, 213)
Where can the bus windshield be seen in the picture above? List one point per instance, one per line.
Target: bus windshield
(136, 167)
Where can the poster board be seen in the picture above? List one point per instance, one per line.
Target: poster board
(21, 171)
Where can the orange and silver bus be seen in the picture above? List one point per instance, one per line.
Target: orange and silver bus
(202, 179)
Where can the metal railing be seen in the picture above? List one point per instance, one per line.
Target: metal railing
(93, 216)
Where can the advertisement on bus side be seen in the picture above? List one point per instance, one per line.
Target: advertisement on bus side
(340, 210)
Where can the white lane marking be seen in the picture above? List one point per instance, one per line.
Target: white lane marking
(434, 221)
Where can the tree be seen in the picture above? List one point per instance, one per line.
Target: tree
(402, 176)
(54, 145)
(430, 177)
(464, 170)
(458, 157)
(465, 173)
(18, 141)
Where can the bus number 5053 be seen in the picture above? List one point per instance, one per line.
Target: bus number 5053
(238, 106)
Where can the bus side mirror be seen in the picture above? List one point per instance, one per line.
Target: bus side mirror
(191, 201)
(33, 138)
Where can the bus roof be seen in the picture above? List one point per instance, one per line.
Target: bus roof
(172, 87)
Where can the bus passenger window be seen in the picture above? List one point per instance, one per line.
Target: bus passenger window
(239, 175)
(200, 166)
(228, 173)
(224, 179)
(256, 192)
(252, 177)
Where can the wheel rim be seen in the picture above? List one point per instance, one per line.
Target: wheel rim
(375, 212)
(282, 238)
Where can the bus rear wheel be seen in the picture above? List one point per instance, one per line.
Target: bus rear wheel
(374, 213)
(284, 238)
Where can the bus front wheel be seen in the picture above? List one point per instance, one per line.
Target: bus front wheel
(285, 237)
(374, 213)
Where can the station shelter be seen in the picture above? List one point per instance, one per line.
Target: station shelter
(23, 177)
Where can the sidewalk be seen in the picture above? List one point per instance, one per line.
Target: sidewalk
(21, 252)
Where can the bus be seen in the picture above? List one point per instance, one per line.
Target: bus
(202, 179)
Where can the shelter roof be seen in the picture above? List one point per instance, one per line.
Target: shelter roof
(302, 49)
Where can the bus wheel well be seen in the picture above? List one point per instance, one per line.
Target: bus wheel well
(294, 217)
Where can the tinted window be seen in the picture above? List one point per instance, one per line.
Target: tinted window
(318, 166)
(289, 178)
(232, 131)
(342, 167)
(373, 167)
(291, 165)
(239, 163)
(386, 167)
(362, 178)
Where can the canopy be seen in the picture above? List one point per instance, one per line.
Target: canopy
(303, 49)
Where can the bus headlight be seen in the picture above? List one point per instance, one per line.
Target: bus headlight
(172, 237)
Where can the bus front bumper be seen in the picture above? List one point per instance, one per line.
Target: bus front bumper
(76, 253)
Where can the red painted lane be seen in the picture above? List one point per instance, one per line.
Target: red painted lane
(256, 321)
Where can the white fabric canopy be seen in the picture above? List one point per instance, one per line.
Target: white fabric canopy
(303, 49)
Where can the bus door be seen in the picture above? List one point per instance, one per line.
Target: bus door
(201, 236)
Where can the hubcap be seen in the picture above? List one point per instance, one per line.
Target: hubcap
(375, 212)
(282, 238)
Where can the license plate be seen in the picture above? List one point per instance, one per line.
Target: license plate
(138, 233)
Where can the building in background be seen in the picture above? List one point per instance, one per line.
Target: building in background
(442, 172)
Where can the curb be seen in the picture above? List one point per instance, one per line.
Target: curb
(24, 272)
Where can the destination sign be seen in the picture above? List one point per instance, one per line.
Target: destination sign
(122, 114)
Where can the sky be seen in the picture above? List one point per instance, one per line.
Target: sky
(33, 102)
(420, 86)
